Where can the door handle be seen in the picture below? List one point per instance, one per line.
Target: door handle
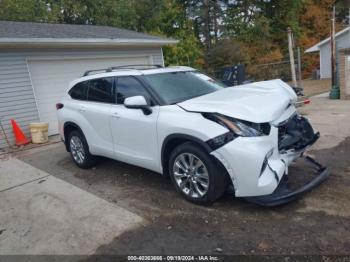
(115, 115)
(82, 109)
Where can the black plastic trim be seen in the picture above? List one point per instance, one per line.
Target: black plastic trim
(64, 128)
(155, 95)
(283, 195)
(110, 69)
(228, 137)
(147, 110)
(154, 98)
(296, 133)
(181, 136)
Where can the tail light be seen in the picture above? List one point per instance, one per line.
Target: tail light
(307, 101)
(59, 106)
(304, 102)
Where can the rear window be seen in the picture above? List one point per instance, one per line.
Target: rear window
(79, 91)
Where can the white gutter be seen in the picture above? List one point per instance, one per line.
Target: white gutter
(316, 47)
(85, 41)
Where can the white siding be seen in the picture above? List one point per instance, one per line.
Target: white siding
(50, 79)
(325, 61)
(16, 92)
(343, 41)
(347, 75)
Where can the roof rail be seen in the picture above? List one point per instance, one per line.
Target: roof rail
(110, 69)
(133, 66)
(97, 70)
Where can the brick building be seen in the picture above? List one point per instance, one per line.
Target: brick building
(344, 73)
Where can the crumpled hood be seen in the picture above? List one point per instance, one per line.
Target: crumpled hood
(258, 102)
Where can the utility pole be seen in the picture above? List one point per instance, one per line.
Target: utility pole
(333, 48)
(300, 79)
(335, 92)
(291, 56)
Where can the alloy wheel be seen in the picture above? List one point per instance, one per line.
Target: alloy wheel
(191, 175)
(77, 149)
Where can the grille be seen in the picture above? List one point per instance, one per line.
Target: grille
(282, 131)
(295, 133)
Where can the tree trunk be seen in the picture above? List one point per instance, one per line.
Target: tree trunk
(206, 24)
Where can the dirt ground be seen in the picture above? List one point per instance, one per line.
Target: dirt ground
(315, 87)
(317, 224)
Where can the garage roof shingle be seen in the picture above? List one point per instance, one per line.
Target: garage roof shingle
(26, 34)
(9, 29)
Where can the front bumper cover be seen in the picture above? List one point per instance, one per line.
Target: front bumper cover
(284, 194)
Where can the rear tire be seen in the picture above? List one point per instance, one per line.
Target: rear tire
(79, 150)
(196, 175)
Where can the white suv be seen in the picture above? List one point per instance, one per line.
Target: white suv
(179, 122)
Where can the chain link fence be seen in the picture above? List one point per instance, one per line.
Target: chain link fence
(261, 72)
(269, 71)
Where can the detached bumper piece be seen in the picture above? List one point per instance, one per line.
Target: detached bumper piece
(284, 194)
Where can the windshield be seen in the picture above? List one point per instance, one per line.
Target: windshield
(176, 87)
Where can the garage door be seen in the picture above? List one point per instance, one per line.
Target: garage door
(50, 79)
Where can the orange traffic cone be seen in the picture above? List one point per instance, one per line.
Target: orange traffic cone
(21, 139)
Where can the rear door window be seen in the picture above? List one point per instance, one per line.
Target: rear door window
(79, 91)
(101, 90)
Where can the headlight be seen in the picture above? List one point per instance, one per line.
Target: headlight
(220, 140)
(240, 127)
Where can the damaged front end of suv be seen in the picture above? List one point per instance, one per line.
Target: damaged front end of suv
(263, 177)
(265, 135)
(294, 136)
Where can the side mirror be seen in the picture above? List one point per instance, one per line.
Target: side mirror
(138, 102)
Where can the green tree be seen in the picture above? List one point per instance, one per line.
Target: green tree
(162, 17)
(342, 11)
(171, 21)
(206, 16)
(226, 52)
(120, 13)
(19, 10)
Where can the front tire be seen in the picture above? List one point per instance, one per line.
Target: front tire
(79, 150)
(196, 175)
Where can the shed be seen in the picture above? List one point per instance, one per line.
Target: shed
(38, 60)
(324, 47)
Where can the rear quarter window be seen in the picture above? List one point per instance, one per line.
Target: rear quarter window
(101, 90)
(79, 91)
